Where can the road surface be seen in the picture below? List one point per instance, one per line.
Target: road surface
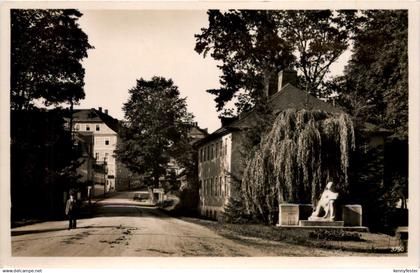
(121, 227)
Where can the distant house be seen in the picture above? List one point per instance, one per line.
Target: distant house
(104, 132)
(219, 154)
(195, 134)
(90, 171)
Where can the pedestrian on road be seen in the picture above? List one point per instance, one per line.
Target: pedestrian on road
(71, 211)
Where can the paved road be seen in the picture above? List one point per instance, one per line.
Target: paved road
(123, 227)
(120, 227)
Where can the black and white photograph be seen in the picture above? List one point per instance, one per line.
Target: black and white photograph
(209, 132)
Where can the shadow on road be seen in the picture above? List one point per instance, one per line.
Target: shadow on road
(35, 231)
(124, 210)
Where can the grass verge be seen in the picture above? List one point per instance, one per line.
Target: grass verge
(363, 242)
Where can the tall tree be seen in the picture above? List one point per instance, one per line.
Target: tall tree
(318, 37)
(157, 121)
(374, 87)
(254, 45)
(47, 47)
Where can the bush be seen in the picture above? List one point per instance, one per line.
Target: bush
(335, 235)
(235, 213)
(165, 203)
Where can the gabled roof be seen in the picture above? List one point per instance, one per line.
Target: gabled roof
(288, 97)
(95, 116)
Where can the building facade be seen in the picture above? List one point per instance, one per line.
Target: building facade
(104, 130)
(220, 154)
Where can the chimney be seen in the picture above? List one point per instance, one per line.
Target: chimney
(286, 76)
(227, 120)
(100, 109)
(106, 111)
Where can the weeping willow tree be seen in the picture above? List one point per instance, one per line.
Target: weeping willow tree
(303, 150)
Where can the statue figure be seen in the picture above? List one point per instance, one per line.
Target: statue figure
(326, 203)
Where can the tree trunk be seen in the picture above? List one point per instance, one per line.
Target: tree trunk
(71, 122)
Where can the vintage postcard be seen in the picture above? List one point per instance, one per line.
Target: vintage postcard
(209, 134)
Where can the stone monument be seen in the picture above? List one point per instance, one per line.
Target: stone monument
(326, 204)
(324, 214)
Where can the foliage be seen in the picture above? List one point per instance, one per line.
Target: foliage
(43, 165)
(335, 235)
(156, 122)
(374, 87)
(247, 44)
(373, 183)
(165, 203)
(235, 212)
(47, 47)
(293, 162)
(254, 45)
(319, 37)
(170, 182)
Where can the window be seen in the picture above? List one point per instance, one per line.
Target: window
(96, 156)
(217, 150)
(220, 186)
(77, 127)
(98, 128)
(216, 182)
(106, 141)
(214, 187)
(87, 127)
(106, 157)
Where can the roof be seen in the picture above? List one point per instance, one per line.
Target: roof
(95, 116)
(288, 97)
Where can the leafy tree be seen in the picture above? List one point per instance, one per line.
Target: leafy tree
(318, 37)
(374, 87)
(254, 45)
(250, 51)
(157, 121)
(42, 163)
(47, 47)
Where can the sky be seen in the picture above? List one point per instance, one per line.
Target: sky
(141, 44)
(133, 44)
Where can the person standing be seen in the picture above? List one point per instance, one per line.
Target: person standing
(71, 211)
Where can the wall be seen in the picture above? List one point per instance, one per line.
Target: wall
(214, 172)
(105, 141)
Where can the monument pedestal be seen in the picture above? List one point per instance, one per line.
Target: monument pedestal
(320, 223)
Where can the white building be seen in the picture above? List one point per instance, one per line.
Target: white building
(220, 153)
(104, 129)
